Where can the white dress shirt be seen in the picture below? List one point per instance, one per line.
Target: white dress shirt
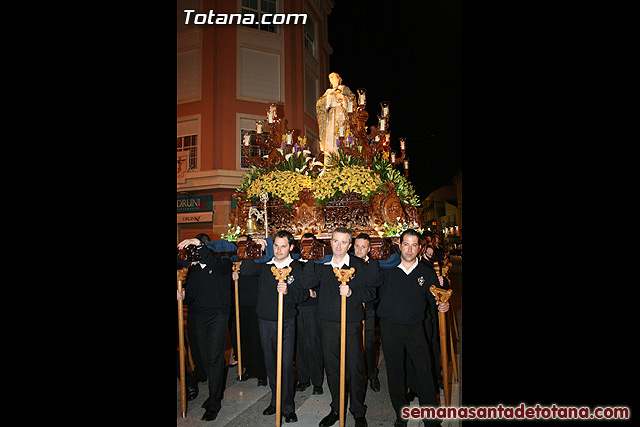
(410, 269)
(345, 261)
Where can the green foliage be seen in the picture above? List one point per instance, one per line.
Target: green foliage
(338, 159)
(232, 234)
(248, 178)
(403, 187)
(396, 229)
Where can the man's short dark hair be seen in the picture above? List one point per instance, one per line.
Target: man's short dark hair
(283, 234)
(409, 232)
(204, 238)
(342, 230)
(364, 236)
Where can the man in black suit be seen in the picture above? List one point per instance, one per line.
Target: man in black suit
(329, 302)
(404, 295)
(208, 295)
(267, 311)
(361, 248)
(308, 346)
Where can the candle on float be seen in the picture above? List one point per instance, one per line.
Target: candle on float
(382, 124)
(350, 105)
(385, 108)
(341, 130)
(247, 139)
(362, 100)
(387, 137)
(402, 144)
(393, 157)
(258, 127)
(270, 116)
(289, 137)
(406, 164)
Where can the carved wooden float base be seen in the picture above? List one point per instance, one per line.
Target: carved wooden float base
(311, 248)
(349, 210)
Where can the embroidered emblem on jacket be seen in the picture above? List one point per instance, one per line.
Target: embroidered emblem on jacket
(421, 280)
(290, 280)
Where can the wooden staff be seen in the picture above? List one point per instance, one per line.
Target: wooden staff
(236, 268)
(182, 274)
(451, 317)
(280, 275)
(443, 296)
(454, 362)
(451, 310)
(343, 277)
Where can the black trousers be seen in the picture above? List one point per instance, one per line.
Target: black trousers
(212, 333)
(370, 341)
(232, 326)
(269, 338)
(308, 346)
(433, 342)
(252, 355)
(432, 329)
(190, 379)
(354, 366)
(396, 339)
(199, 370)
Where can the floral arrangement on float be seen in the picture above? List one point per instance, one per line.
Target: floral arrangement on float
(354, 184)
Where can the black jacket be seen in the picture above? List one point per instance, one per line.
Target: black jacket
(248, 290)
(404, 298)
(267, 304)
(208, 290)
(329, 301)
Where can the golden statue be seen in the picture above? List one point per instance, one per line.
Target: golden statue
(331, 113)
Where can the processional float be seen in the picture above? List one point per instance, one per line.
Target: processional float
(355, 185)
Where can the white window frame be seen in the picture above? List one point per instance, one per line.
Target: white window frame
(193, 126)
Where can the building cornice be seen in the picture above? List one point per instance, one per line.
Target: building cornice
(211, 179)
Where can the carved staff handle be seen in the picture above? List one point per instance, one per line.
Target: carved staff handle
(436, 268)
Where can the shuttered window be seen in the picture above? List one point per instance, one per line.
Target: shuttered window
(259, 74)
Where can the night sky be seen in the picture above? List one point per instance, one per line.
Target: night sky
(410, 56)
